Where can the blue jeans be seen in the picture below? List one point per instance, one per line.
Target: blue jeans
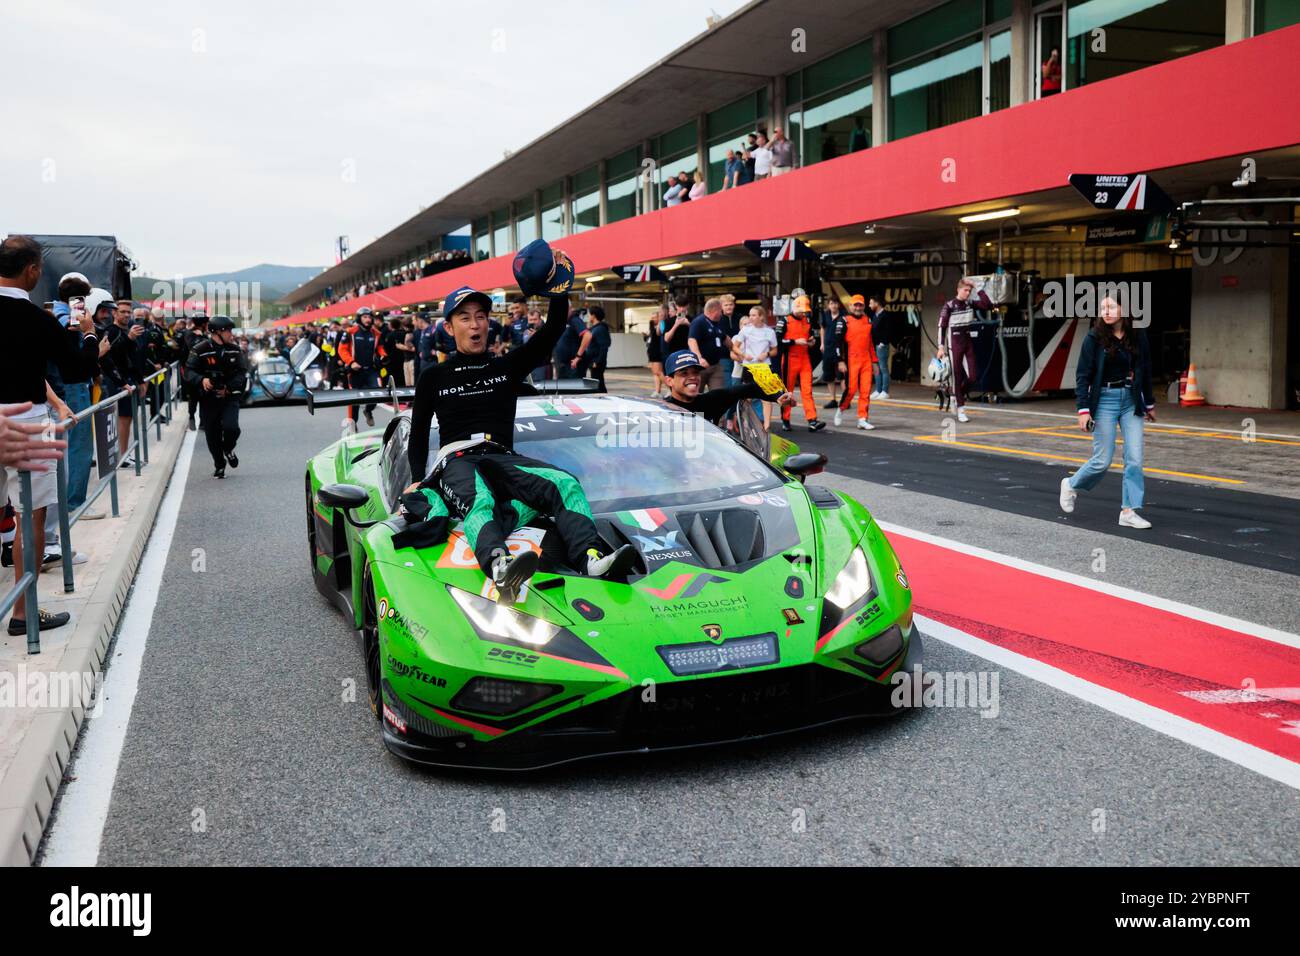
(881, 375)
(81, 445)
(1115, 408)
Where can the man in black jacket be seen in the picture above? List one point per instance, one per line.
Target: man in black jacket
(33, 338)
(191, 337)
(359, 352)
(218, 370)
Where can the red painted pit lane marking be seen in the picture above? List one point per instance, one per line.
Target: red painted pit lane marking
(1192, 668)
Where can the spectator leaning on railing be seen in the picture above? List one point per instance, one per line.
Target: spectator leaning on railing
(783, 159)
(762, 154)
(32, 338)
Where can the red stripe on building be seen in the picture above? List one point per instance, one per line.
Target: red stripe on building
(1147, 120)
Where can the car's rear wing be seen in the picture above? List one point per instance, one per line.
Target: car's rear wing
(331, 398)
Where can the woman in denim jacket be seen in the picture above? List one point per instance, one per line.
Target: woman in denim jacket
(1113, 390)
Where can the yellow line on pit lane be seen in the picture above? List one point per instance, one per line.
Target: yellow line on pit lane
(1080, 461)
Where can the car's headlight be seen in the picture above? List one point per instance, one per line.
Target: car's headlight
(852, 583)
(491, 619)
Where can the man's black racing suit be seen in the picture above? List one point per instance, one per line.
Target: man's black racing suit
(482, 480)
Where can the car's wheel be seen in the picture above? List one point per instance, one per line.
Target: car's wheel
(370, 644)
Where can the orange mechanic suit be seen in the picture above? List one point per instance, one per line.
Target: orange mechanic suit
(796, 366)
(855, 333)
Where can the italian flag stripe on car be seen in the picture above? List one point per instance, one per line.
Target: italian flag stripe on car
(647, 519)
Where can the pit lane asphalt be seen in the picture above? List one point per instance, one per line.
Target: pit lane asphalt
(240, 714)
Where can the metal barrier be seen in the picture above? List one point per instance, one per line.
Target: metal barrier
(26, 584)
(163, 382)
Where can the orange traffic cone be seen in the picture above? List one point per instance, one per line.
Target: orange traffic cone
(1192, 394)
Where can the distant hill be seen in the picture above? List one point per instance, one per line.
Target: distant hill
(283, 278)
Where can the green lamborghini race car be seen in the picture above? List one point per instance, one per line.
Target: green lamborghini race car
(758, 605)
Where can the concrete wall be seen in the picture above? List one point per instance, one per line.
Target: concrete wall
(1239, 326)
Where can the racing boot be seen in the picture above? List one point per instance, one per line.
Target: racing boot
(616, 564)
(509, 574)
(816, 425)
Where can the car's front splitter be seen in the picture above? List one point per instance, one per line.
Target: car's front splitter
(683, 714)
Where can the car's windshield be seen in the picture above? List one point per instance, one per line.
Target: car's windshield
(275, 366)
(617, 475)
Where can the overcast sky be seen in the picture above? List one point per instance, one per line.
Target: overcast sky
(212, 136)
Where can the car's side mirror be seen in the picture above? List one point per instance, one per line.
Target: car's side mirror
(345, 497)
(805, 463)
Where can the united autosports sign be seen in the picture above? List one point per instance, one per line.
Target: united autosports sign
(1121, 192)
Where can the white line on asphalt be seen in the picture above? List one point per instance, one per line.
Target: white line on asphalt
(78, 826)
(1101, 587)
(1211, 741)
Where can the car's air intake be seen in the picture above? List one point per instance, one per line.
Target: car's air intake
(724, 538)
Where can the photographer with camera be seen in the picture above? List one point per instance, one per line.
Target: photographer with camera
(218, 370)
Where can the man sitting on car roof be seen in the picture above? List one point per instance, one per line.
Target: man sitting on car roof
(476, 472)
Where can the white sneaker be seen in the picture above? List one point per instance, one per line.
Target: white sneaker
(865, 425)
(1068, 495)
(54, 559)
(874, 395)
(961, 415)
(1128, 518)
(884, 395)
(839, 417)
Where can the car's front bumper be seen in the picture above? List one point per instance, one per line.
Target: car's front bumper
(694, 713)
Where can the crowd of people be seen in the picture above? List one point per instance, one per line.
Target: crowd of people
(851, 347)
(430, 265)
(84, 346)
(754, 159)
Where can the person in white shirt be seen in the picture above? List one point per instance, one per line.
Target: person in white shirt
(755, 342)
(762, 159)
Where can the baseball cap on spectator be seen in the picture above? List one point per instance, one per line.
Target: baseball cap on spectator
(681, 359)
(802, 305)
(857, 300)
(73, 275)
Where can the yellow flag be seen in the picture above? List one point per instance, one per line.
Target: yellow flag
(765, 378)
